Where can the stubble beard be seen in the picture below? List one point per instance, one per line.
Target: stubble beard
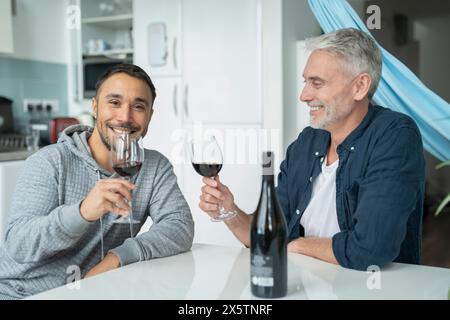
(332, 116)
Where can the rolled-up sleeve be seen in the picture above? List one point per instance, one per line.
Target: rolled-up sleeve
(387, 196)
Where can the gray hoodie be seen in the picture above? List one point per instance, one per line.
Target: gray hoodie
(47, 238)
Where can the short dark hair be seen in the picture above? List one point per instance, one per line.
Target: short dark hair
(129, 69)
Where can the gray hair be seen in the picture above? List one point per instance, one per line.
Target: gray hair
(358, 50)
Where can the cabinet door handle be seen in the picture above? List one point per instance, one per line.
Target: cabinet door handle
(174, 100)
(186, 95)
(175, 48)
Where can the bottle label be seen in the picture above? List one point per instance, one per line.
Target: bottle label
(262, 271)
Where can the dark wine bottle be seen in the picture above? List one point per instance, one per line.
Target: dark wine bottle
(268, 240)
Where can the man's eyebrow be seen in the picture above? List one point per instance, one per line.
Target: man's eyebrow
(119, 96)
(314, 78)
(141, 99)
(113, 95)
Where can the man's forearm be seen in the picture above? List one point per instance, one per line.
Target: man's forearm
(240, 226)
(320, 248)
(110, 262)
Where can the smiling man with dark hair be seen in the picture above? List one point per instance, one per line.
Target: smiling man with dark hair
(59, 216)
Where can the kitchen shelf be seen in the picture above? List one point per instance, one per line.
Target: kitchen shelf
(113, 22)
(110, 53)
(102, 40)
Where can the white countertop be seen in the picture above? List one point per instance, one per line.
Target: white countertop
(215, 272)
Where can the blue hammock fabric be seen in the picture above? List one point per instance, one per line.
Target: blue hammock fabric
(399, 88)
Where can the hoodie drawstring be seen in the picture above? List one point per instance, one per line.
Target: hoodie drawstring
(99, 177)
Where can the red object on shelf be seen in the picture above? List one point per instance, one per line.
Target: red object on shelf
(57, 125)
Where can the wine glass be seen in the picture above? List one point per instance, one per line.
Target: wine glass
(207, 160)
(127, 155)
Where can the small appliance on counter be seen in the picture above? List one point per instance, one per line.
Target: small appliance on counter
(9, 140)
(43, 131)
(12, 142)
(13, 145)
(57, 125)
(6, 117)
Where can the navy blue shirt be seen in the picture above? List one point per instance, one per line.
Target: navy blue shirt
(379, 188)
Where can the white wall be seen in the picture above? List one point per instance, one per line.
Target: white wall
(299, 23)
(6, 44)
(359, 6)
(426, 54)
(272, 74)
(434, 48)
(434, 65)
(39, 30)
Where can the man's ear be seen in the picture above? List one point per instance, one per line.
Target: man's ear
(362, 86)
(151, 114)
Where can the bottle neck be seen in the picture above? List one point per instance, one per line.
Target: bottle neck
(265, 200)
(269, 178)
(267, 170)
(268, 183)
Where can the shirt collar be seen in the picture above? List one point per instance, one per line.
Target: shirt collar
(351, 139)
(322, 141)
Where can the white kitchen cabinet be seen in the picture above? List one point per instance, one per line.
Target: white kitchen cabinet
(6, 32)
(106, 28)
(214, 45)
(100, 34)
(165, 130)
(221, 60)
(158, 20)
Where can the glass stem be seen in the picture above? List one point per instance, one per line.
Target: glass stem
(221, 208)
(130, 213)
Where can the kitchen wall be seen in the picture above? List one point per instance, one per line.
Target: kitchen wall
(426, 54)
(38, 67)
(431, 25)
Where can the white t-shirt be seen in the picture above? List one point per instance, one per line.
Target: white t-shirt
(320, 217)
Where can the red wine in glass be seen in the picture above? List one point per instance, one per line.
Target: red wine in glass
(128, 169)
(207, 160)
(207, 169)
(127, 155)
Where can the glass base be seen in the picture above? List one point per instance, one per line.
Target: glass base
(224, 216)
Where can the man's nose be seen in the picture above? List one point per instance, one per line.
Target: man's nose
(124, 114)
(306, 94)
